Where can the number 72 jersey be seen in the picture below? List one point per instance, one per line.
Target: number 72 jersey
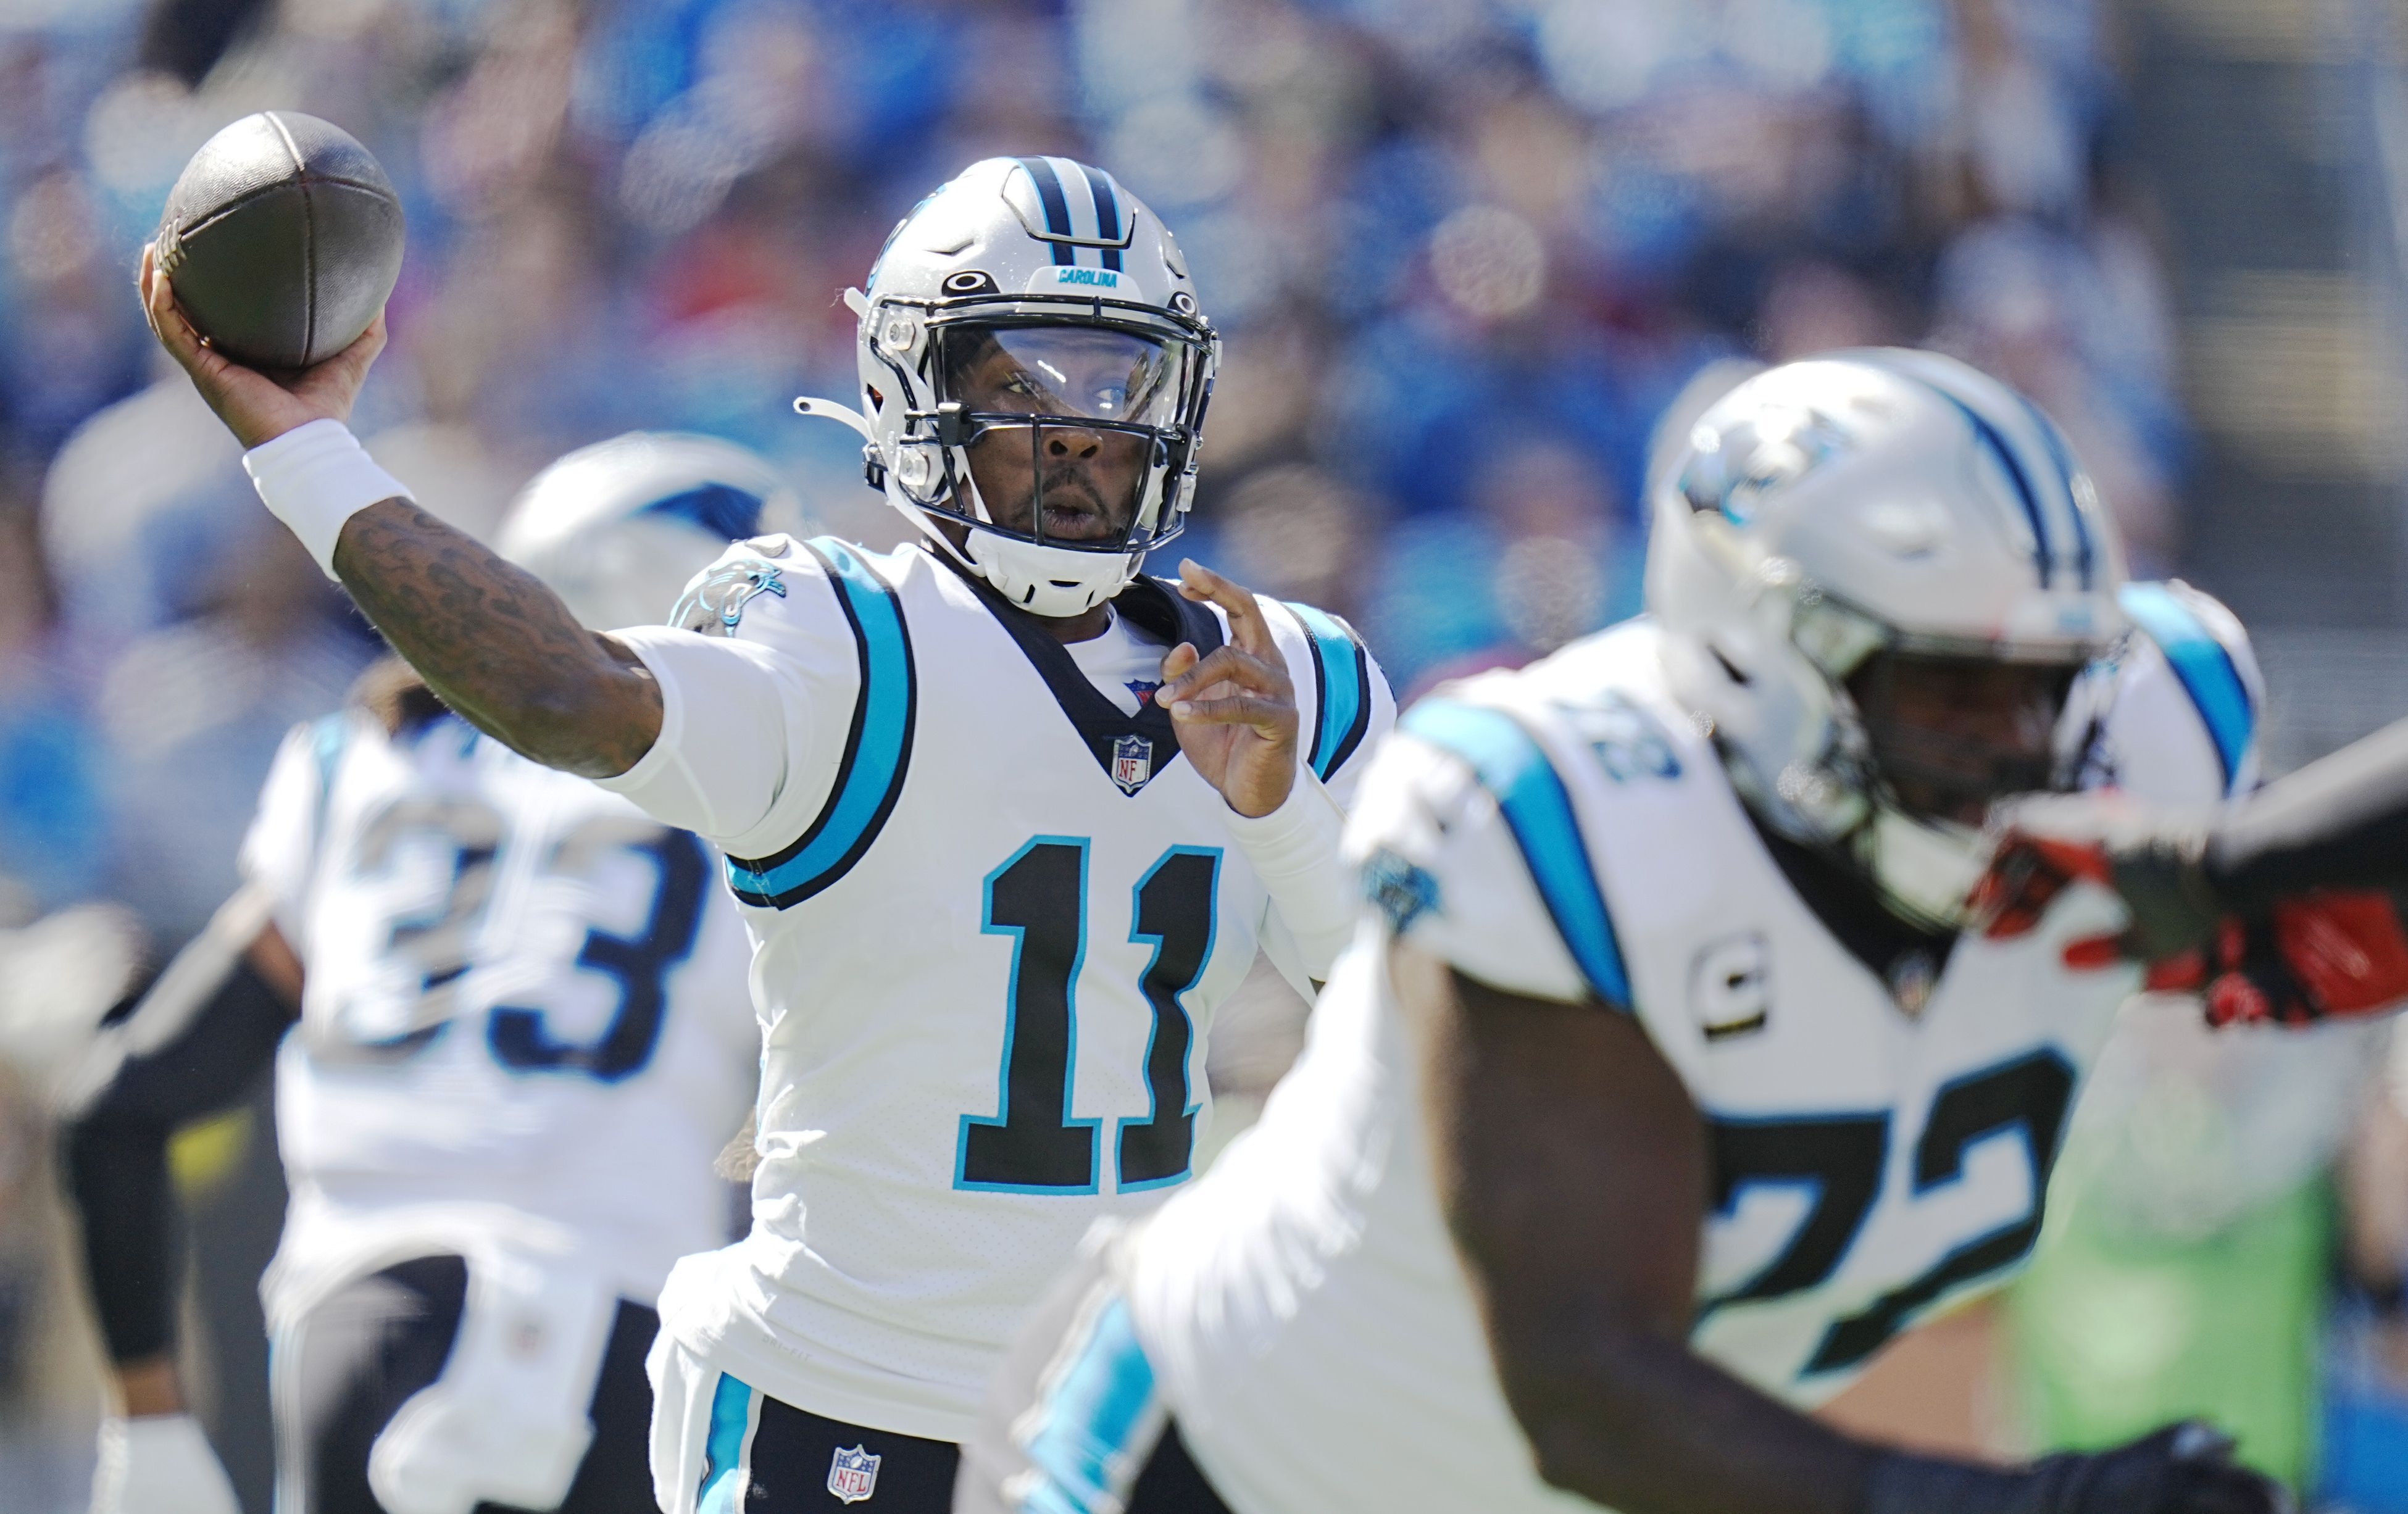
(1882, 1107)
(519, 992)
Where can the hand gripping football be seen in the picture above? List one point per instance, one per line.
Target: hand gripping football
(282, 238)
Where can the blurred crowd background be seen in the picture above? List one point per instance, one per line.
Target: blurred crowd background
(1464, 252)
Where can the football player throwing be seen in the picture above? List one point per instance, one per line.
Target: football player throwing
(1663, 1087)
(1006, 817)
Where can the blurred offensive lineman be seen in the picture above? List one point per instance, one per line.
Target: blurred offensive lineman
(1661, 1090)
(523, 1034)
(998, 871)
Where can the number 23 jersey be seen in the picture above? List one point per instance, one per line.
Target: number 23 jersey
(1879, 1136)
(996, 913)
(522, 997)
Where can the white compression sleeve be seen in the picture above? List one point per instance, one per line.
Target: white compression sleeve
(1294, 850)
(316, 477)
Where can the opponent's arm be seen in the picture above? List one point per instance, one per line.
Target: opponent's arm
(2285, 905)
(1571, 1166)
(493, 642)
(2340, 823)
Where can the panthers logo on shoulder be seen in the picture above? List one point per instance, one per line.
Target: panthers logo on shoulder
(1628, 742)
(715, 603)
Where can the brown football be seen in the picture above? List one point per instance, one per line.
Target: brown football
(282, 238)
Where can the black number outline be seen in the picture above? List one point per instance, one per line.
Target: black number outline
(1007, 1151)
(639, 966)
(1143, 1148)
(2030, 1092)
(1842, 1157)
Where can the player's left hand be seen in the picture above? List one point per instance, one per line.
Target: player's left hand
(1234, 710)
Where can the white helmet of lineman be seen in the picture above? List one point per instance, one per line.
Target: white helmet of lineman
(1052, 266)
(1829, 522)
(618, 528)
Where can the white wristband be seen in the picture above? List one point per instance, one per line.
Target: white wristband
(316, 477)
(1295, 852)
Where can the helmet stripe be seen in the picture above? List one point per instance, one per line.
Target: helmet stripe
(2044, 553)
(1079, 198)
(1076, 196)
(724, 510)
(1108, 215)
(2084, 558)
(1057, 209)
(1997, 443)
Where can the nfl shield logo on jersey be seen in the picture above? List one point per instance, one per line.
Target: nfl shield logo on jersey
(854, 1475)
(1132, 762)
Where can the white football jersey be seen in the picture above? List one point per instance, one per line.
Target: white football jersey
(994, 914)
(524, 1001)
(1880, 1136)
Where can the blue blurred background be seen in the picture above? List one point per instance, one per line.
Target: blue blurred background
(1464, 253)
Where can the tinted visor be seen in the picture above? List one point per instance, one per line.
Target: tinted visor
(1089, 373)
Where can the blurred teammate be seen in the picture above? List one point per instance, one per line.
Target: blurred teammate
(520, 1031)
(1663, 1090)
(1007, 818)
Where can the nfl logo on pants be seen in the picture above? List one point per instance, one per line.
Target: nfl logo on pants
(853, 1475)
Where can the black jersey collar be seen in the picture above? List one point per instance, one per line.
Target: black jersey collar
(1132, 749)
(1908, 959)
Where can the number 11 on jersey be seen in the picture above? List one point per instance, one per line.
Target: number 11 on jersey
(1038, 898)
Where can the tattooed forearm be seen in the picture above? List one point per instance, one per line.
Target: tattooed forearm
(496, 645)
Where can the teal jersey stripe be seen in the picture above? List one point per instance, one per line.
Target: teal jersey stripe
(1083, 1441)
(877, 749)
(723, 1446)
(1539, 812)
(2205, 668)
(1341, 661)
(328, 736)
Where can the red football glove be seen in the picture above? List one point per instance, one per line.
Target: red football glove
(2147, 858)
(2325, 953)
(2328, 954)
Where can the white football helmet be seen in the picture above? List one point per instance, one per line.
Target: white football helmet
(1828, 520)
(618, 528)
(1032, 304)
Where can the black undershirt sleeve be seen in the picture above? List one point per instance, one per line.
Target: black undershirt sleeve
(2338, 823)
(116, 1145)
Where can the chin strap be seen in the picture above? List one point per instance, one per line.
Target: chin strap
(1926, 870)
